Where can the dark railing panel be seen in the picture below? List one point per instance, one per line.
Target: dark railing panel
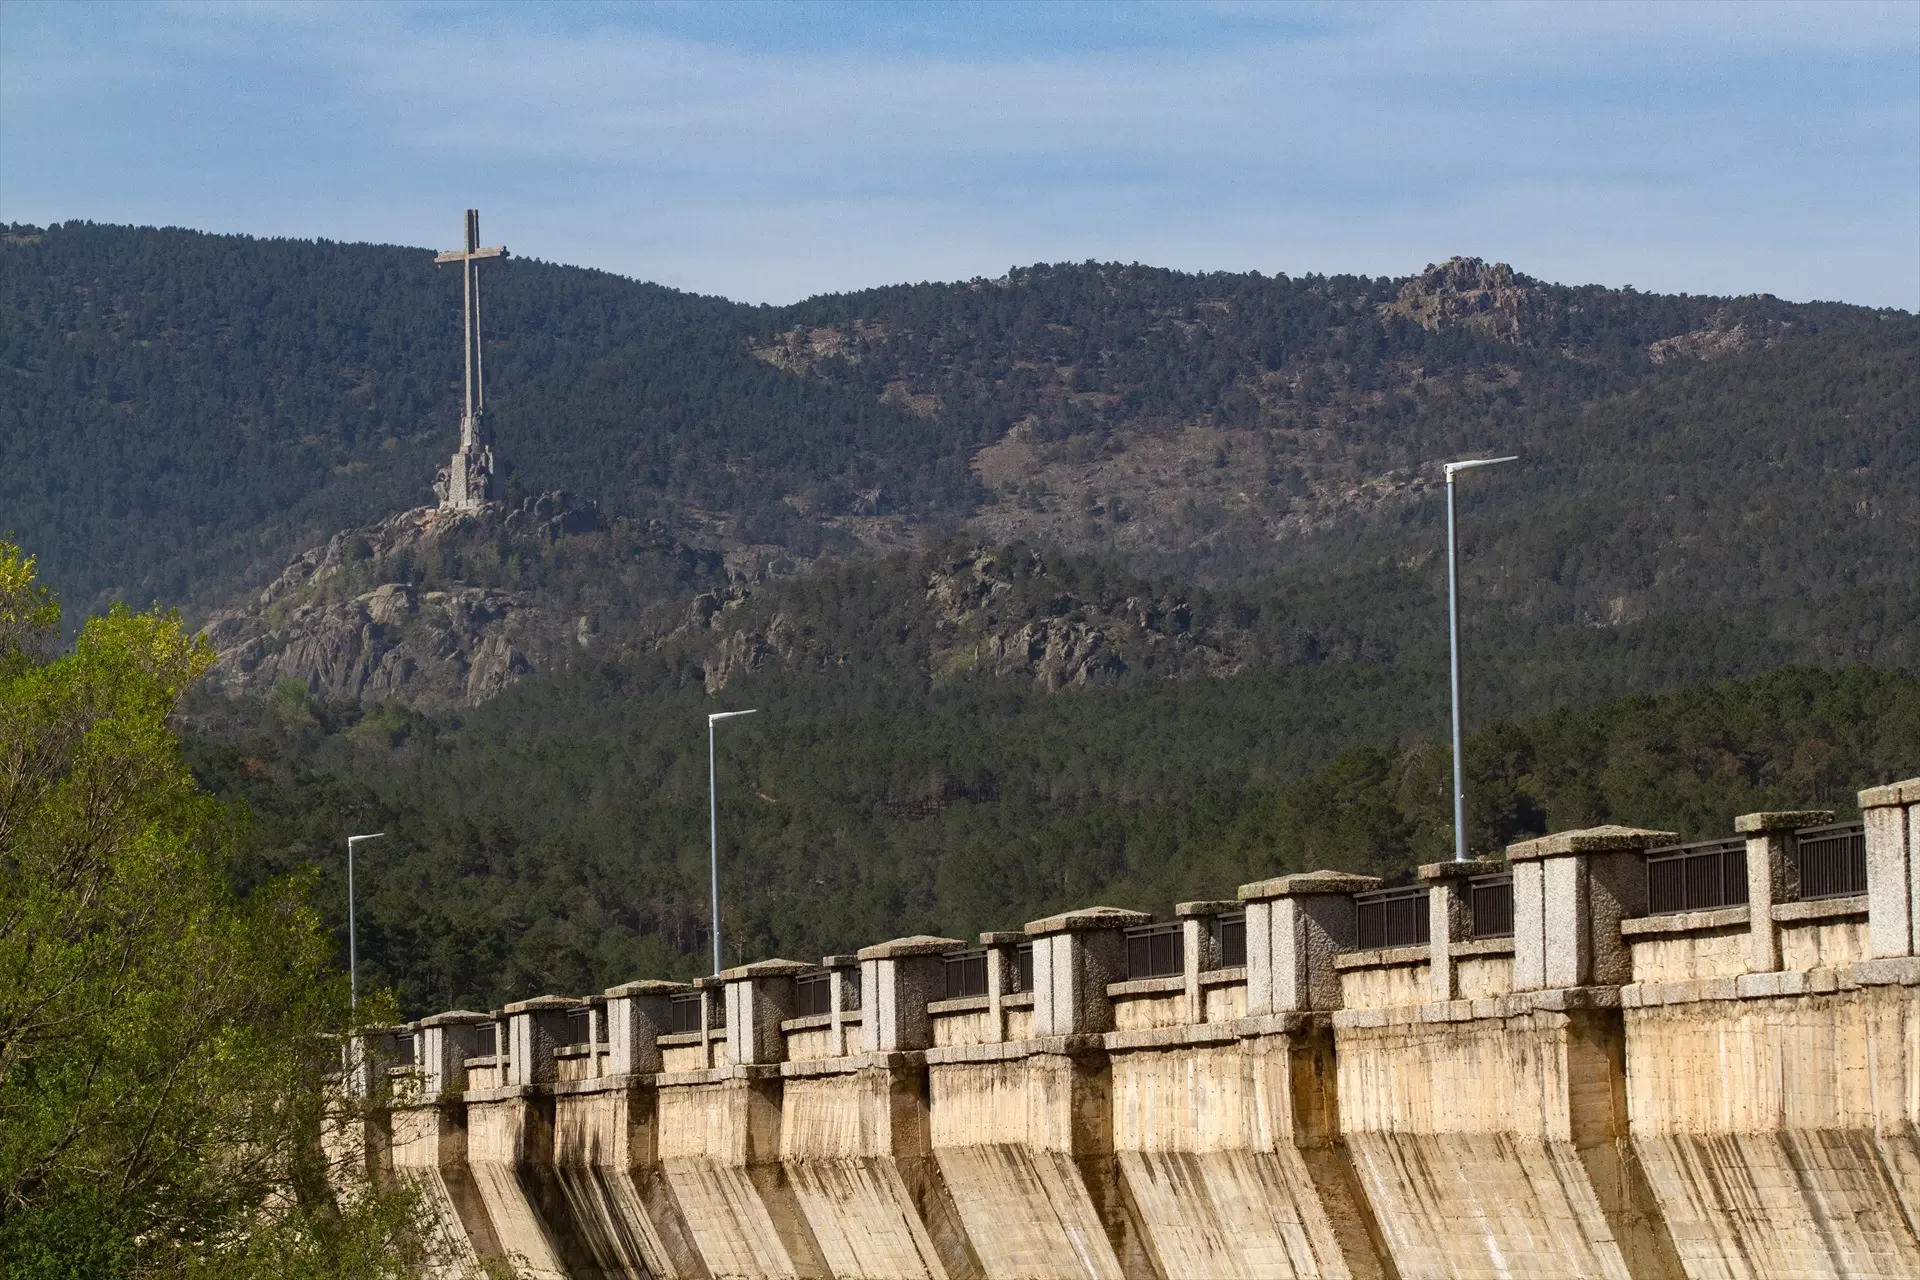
(1023, 967)
(1832, 860)
(580, 1026)
(1697, 877)
(488, 1041)
(684, 1013)
(717, 1008)
(1156, 950)
(1393, 918)
(966, 974)
(1231, 932)
(812, 995)
(1491, 900)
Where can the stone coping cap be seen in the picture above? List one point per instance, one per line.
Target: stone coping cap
(1087, 918)
(1608, 839)
(1907, 792)
(764, 969)
(1461, 870)
(845, 961)
(1206, 907)
(454, 1018)
(1308, 882)
(919, 944)
(540, 1003)
(1002, 938)
(1748, 824)
(649, 987)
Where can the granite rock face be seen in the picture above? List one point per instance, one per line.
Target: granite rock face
(330, 624)
(1000, 612)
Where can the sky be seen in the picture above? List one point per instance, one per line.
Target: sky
(771, 152)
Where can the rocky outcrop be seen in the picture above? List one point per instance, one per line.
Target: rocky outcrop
(1723, 337)
(381, 612)
(428, 648)
(1469, 293)
(1003, 613)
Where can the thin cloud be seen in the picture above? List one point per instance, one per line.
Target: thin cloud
(1673, 147)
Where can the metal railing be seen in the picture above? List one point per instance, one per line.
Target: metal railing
(966, 974)
(580, 1026)
(1697, 877)
(812, 995)
(1392, 918)
(1023, 967)
(488, 1041)
(1490, 900)
(1831, 860)
(1156, 950)
(683, 1013)
(1230, 938)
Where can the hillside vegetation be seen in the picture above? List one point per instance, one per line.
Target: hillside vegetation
(184, 413)
(1092, 582)
(557, 840)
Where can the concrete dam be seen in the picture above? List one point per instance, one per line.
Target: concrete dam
(1606, 1055)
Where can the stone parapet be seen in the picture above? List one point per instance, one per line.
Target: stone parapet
(898, 980)
(1891, 815)
(1571, 890)
(1450, 918)
(1076, 955)
(1453, 1107)
(1296, 925)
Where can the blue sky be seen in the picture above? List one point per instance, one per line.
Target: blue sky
(768, 152)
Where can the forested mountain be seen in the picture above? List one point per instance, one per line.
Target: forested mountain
(184, 413)
(1089, 582)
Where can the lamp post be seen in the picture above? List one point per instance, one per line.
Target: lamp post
(713, 824)
(353, 942)
(1453, 638)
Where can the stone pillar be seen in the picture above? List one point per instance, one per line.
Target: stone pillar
(1892, 817)
(759, 998)
(843, 991)
(536, 1028)
(1570, 892)
(1199, 948)
(444, 1042)
(1296, 925)
(1075, 955)
(898, 979)
(713, 1017)
(638, 1014)
(1450, 917)
(1772, 877)
(1002, 966)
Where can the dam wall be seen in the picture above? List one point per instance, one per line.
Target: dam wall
(1606, 1055)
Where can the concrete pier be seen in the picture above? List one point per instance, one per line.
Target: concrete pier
(1565, 1063)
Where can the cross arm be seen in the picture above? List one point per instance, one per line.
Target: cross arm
(461, 255)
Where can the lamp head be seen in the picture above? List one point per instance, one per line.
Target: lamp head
(728, 715)
(1478, 462)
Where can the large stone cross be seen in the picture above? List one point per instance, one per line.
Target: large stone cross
(467, 478)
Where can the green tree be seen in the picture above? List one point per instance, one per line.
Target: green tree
(162, 1050)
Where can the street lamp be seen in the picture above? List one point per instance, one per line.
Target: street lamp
(353, 943)
(713, 820)
(1453, 637)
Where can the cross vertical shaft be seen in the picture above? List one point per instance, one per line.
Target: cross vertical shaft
(464, 483)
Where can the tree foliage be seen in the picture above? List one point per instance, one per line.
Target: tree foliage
(555, 839)
(160, 1060)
